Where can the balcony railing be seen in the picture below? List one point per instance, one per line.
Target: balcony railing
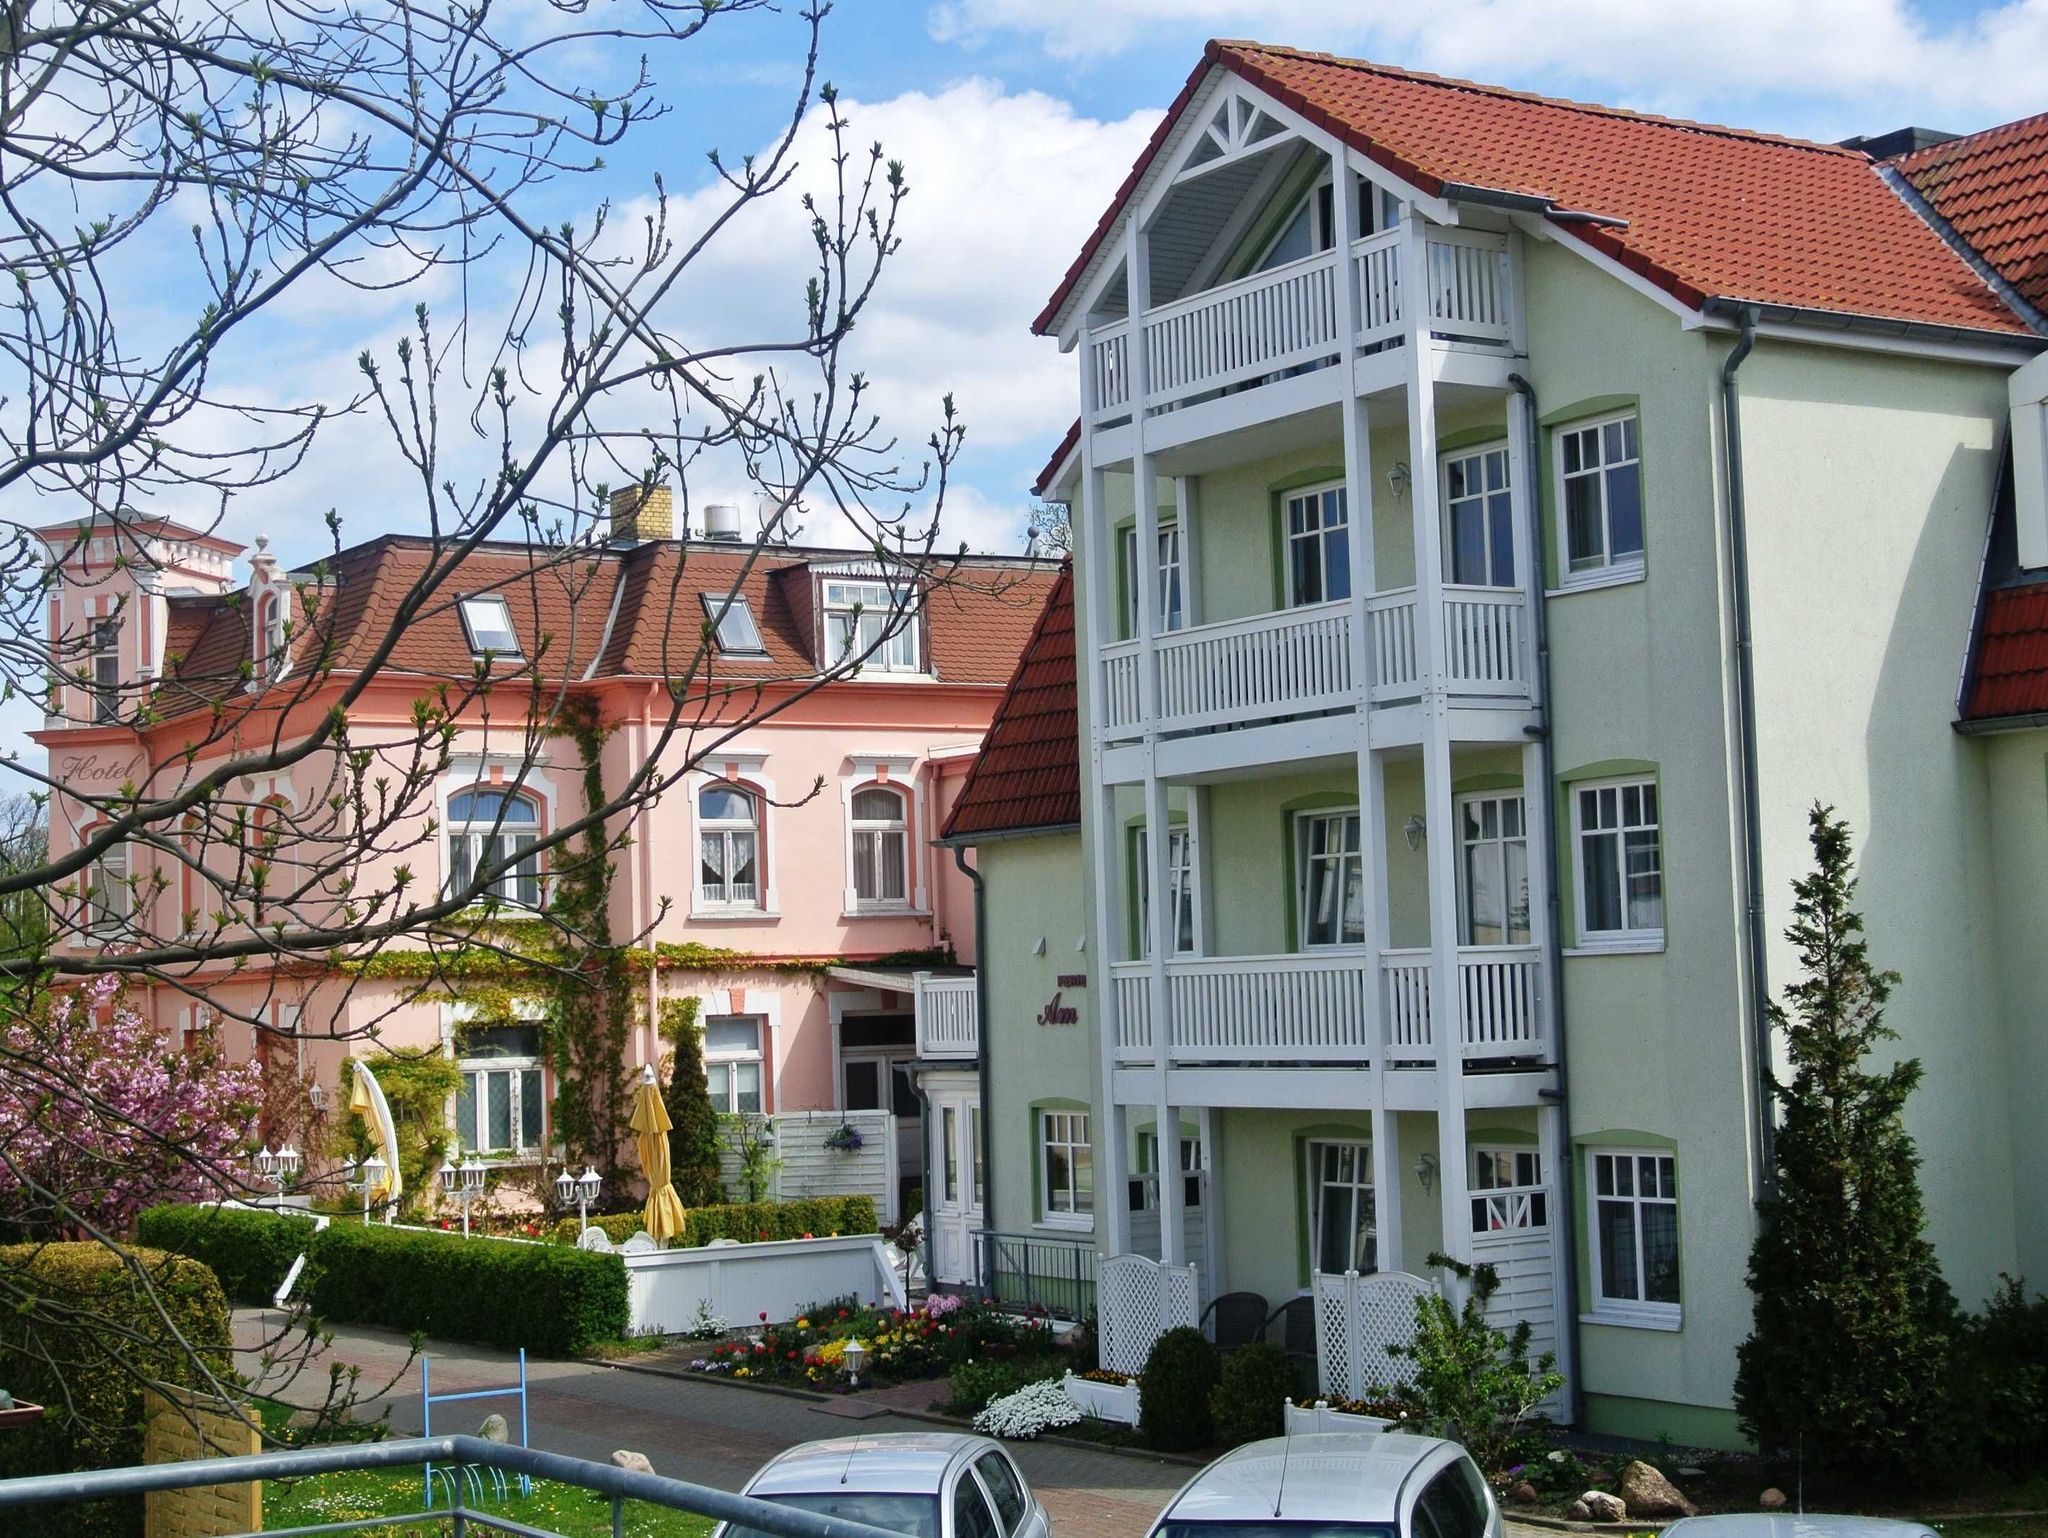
(1311, 1008)
(947, 1016)
(1498, 1012)
(1274, 323)
(1485, 655)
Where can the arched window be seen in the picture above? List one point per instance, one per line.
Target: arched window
(109, 893)
(488, 828)
(729, 845)
(881, 846)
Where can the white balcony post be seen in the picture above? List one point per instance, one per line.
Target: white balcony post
(1446, 1014)
(1386, 1180)
(1522, 474)
(1534, 787)
(1186, 510)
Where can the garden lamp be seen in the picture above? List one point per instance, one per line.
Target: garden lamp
(582, 1190)
(856, 1358)
(463, 1182)
(366, 1176)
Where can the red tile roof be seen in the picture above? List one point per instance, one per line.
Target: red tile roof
(1992, 188)
(2011, 673)
(1712, 212)
(1059, 457)
(1029, 772)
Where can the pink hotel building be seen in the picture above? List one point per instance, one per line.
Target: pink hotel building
(742, 855)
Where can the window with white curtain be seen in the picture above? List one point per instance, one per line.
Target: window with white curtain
(1493, 873)
(729, 846)
(501, 1107)
(490, 828)
(1332, 893)
(106, 670)
(881, 847)
(732, 1061)
(1066, 1169)
(862, 622)
(1180, 867)
(109, 896)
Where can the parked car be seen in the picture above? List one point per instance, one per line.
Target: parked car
(1785, 1524)
(1336, 1485)
(924, 1484)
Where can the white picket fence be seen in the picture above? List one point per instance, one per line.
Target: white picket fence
(738, 1283)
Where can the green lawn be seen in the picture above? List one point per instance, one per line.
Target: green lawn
(564, 1509)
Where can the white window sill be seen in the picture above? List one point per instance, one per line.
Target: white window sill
(734, 916)
(1067, 1225)
(1648, 945)
(1585, 582)
(1670, 1322)
(886, 913)
(870, 674)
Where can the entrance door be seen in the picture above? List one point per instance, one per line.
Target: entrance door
(955, 1210)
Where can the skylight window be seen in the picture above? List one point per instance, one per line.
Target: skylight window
(737, 632)
(488, 619)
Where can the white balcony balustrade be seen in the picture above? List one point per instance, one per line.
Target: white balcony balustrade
(1270, 665)
(1498, 1008)
(948, 1016)
(1276, 322)
(1251, 1009)
(1484, 635)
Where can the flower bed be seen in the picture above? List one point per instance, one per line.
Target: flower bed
(902, 1344)
(1094, 1395)
(1322, 1416)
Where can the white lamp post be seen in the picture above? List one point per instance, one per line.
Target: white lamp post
(464, 1182)
(365, 1177)
(580, 1189)
(278, 1167)
(856, 1358)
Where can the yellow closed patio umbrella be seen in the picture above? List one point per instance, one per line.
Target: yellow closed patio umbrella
(650, 1124)
(366, 1099)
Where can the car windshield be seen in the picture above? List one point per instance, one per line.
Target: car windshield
(1276, 1530)
(915, 1515)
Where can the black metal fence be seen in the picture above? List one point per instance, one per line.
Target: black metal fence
(1035, 1271)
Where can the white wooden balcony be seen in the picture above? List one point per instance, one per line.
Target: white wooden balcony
(948, 1016)
(1485, 645)
(1280, 321)
(1311, 1008)
(1499, 1013)
(1241, 670)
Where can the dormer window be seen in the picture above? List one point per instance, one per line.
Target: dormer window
(873, 624)
(487, 619)
(733, 623)
(106, 670)
(273, 638)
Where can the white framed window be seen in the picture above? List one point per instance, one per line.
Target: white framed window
(501, 1107)
(863, 615)
(1342, 1226)
(275, 656)
(1600, 500)
(1332, 882)
(732, 624)
(106, 670)
(1145, 1172)
(1172, 611)
(1180, 864)
(109, 893)
(733, 1061)
(1066, 1169)
(881, 847)
(1479, 519)
(729, 846)
(1310, 227)
(488, 827)
(1621, 865)
(1493, 870)
(1318, 539)
(487, 621)
(974, 1154)
(1635, 1234)
(1507, 1191)
(949, 1144)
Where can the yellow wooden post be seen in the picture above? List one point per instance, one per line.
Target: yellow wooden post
(174, 1433)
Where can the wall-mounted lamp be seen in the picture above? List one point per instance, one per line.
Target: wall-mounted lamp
(1415, 830)
(1425, 1171)
(1038, 946)
(1398, 478)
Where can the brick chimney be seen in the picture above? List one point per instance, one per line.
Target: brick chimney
(643, 513)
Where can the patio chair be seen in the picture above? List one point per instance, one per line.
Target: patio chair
(1298, 1336)
(1240, 1319)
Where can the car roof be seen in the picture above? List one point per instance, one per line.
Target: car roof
(902, 1462)
(1342, 1476)
(1786, 1524)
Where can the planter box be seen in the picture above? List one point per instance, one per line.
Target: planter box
(741, 1282)
(1320, 1417)
(1105, 1401)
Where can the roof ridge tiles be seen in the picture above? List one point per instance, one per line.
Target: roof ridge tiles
(1240, 46)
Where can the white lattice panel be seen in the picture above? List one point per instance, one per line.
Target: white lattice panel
(1357, 1319)
(1137, 1300)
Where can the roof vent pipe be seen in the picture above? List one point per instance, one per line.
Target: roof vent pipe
(722, 522)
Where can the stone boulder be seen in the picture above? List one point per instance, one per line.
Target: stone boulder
(494, 1429)
(1602, 1507)
(1577, 1512)
(632, 1462)
(1773, 1499)
(1524, 1494)
(1649, 1496)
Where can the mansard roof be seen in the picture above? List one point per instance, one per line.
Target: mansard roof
(1028, 774)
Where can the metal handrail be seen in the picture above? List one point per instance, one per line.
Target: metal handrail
(606, 1479)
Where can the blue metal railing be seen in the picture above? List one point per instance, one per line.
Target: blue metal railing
(621, 1485)
(428, 1399)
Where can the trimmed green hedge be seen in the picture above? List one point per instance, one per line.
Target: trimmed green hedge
(747, 1222)
(87, 1368)
(553, 1300)
(249, 1251)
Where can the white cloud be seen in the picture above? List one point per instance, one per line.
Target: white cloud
(1860, 64)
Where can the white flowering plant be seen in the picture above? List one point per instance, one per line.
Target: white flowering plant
(707, 1325)
(1035, 1408)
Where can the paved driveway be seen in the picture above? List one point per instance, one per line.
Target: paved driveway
(718, 1434)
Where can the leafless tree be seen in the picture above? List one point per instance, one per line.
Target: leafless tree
(177, 184)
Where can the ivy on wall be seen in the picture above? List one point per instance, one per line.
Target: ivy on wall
(418, 1086)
